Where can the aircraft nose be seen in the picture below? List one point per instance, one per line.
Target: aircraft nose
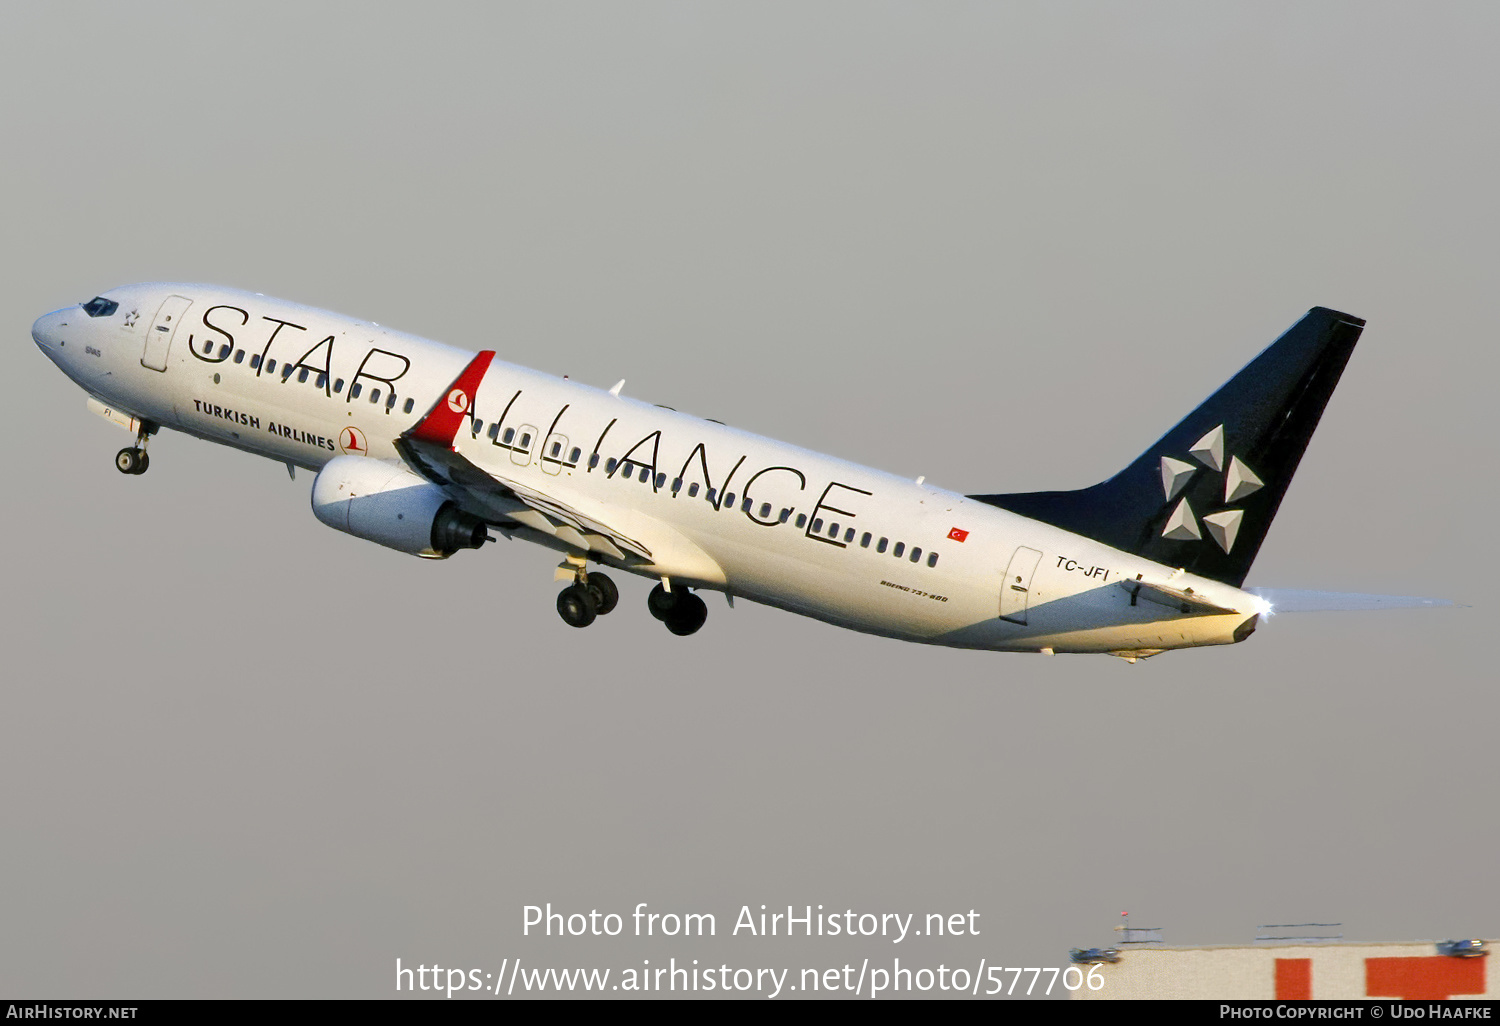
(44, 332)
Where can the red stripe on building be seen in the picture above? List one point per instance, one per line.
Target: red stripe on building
(1294, 979)
(1432, 978)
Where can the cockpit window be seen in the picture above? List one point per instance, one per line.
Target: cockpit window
(100, 307)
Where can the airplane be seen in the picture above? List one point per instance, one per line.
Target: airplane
(426, 449)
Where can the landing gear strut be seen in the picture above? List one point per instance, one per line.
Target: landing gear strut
(134, 460)
(682, 611)
(589, 595)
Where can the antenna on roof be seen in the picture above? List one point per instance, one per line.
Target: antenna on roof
(1299, 937)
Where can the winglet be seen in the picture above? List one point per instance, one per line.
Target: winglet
(448, 414)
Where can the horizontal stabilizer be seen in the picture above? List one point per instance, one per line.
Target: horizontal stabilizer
(1181, 599)
(1291, 600)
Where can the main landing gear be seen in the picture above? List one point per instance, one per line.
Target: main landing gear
(134, 460)
(592, 595)
(682, 611)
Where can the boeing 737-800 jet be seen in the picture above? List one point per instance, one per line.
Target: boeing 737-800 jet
(427, 449)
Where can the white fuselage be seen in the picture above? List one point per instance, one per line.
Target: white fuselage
(820, 536)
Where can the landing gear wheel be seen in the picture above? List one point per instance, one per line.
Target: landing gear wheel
(687, 614)
(606, 595)
(132, 461)
(575, 604)
(661, 602)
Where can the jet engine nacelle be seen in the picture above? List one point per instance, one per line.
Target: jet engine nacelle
(387, 504)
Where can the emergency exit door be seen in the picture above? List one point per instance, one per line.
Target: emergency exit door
(1015, 589)
(159, 334)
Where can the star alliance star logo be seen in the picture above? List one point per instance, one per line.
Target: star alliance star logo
(1239, 481)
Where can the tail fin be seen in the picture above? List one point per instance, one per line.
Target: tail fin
(1203, 496)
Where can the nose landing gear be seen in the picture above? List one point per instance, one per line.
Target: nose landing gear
(134, 459)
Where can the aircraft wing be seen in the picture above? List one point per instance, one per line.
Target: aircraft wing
(428, 449)
(538, 510)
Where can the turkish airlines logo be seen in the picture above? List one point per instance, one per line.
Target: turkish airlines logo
(458, 400)
(352, 442)
(958, 534)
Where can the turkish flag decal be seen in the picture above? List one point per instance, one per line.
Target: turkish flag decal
(958, 534)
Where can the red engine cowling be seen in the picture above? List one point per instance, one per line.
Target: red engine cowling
(389, 505)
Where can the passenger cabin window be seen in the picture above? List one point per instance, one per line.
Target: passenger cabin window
(932, 559)
(864, 540)
(849, 535)
(880, 546)
(833, 530)
(593, 460)
(224, 351)
(239, 356)
(390, 402)
(801, 521)
(509, 434)
(609, 466)
(765, 510)
(374, 395)
(494, 429)
(900, 548)
(573, 456)
(302, 376)
(322, 380)
(916, 555)
(786, 515)
(556, 448)
(255, 361)
(818, 526)
(411, 402)
(338, 384)
(729, 500)
(355, 389)
(645, 474)
(693, 490)
(661, 480)
(746, 506)
(526, 440)
(100, 307)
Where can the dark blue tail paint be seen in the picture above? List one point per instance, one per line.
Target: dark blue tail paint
(1203, 497)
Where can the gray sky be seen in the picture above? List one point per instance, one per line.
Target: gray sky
(244, 755)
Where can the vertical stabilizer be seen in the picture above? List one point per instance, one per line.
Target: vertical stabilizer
(1204, 495)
